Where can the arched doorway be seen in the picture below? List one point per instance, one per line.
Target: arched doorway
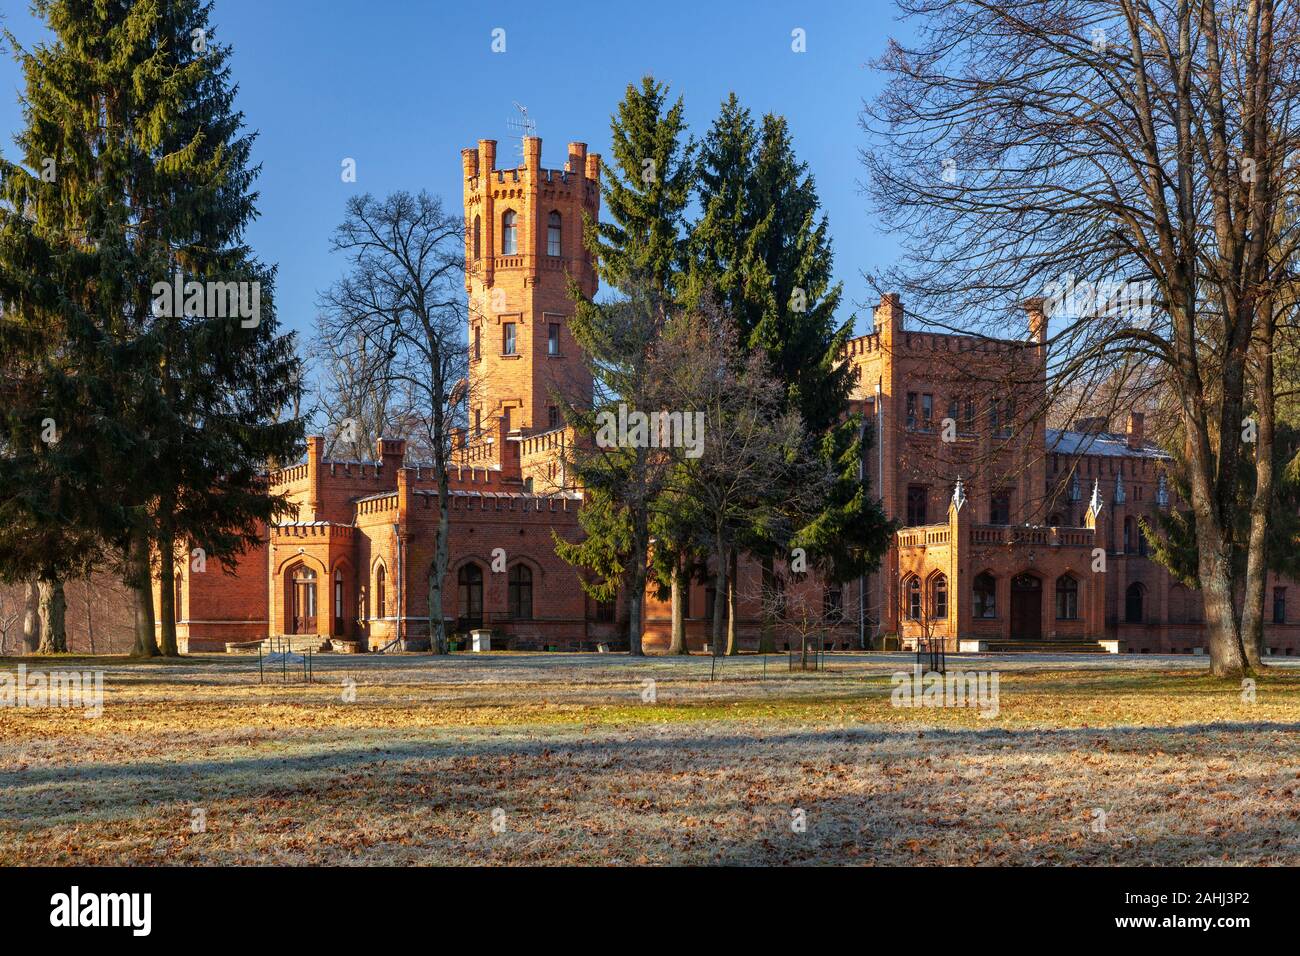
(1026, 608)
(303, 590)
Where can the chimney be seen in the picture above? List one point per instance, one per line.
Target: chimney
(888, 316)
(577, 157)
(487, 156)
(315, 455)
(391, 451)
(1037, 320)
(533, 154)
(404, 488)
(1135, 430)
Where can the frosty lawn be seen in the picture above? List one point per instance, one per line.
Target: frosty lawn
(514, 758)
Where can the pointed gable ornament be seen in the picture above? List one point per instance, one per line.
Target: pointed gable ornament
(1095, 504)
(958, 495)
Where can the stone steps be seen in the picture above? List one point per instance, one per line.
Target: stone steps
(293, 643)
(1046, 647)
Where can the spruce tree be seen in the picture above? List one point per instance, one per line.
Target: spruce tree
(639, 250)
(645, 193)
(719, 239)
(763, 247)
(129, 110)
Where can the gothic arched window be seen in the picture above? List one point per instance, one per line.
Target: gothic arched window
(521, 592)
(939, 597)
(1067, 598)
(470, 585)
(986, 595)
(913, 598)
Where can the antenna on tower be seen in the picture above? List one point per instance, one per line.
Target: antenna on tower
(524, 123)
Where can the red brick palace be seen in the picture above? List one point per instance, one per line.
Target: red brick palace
(1002, 522)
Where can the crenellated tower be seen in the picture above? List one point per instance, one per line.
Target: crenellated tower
(523, 239)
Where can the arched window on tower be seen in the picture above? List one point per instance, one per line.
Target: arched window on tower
(509, 228)
(478, 237)
(553, 234)
(381, 593)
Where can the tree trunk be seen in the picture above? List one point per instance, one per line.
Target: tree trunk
(677, 645)
(1214, 548)
(53, 607)
(766, 634)
(32, 619)
(167, 596)
(141, 588)
(90, 624)
(1261, 506)
(441, 556)
(636, 599)
(719, 598)
(733, 646)
(1226, 656)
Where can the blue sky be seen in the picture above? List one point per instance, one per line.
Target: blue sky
(402, 87)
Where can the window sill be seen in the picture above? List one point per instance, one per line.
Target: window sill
(511, 355)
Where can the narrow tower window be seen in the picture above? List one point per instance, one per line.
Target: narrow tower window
(508, 244)
(553, 234)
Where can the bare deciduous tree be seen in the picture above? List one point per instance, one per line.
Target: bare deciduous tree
(397, 325)
(1144, 144)
(749, 448)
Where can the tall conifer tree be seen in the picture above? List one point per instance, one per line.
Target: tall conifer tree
(135, 171)
(639, 250)
(762, 245)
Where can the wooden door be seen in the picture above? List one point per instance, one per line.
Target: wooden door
(1026, 608)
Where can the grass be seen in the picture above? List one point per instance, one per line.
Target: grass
(1089, 761)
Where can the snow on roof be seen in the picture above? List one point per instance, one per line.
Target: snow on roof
(1062, 441)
